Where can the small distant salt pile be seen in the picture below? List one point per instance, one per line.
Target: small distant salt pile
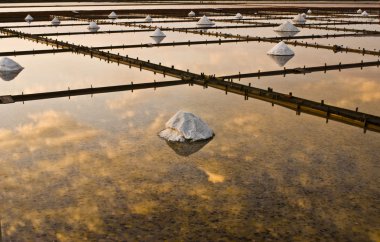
(304, 15)
(204, 21)
(364, 14)
(93, 26)
(309, 11)
(299, 19)
(280, 49)
(191, 14)
(359, 11)
(29, 18)
(9, 69)
(238, 16)
(286, 27)
(148, 19)
(112, 15)
(55, 21)
(185, 126)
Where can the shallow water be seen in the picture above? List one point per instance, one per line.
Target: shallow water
(93, 168)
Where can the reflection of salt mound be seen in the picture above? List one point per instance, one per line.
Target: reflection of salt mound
(158, 40)
(9, 69)
(364, 14)
(299, 19)
(204, 21)
(185, 126)
(281, 60)
(158, 33)
(9, 75)
(309, 11)
(148, 19)
(187, 148)
(93, 26)
(55, 21)
(28, 18)
(286, 34)
(191, 14)
(359, 11)
(280, 49)
(286, 27)
(238, 16)
(112, 15)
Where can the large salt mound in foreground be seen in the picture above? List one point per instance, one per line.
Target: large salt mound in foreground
(185, 126)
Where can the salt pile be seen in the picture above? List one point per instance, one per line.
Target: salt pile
(93, 26)
(55, 21)
(191, 14)
(29, 18)
(158, 36)
(280, 49)
(185, 126)
(304, 15)
(148, 19)
(309, 11)
(364, 14)
(359, 11)
(9, 69)
(158, 33)
(286, 27)
(204, 21)
(299, 19)
(238, 16)
(112, 15)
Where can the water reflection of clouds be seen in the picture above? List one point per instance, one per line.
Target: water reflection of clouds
(350, 90)
(259, 169)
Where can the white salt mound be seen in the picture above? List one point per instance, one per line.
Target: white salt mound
(93, 26)
(299, 19)
(191, 14)
(280, 49)
(238, 16)
(204, 21)
(7, 64)
(309, 11)
(112, 15)
(158, 33)
(55, 21)
(364, 13)
(185, 126)
(28, 18)
(359, 11)
(287, 27)
(148, 19)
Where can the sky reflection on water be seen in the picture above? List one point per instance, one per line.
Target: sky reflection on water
(95, 168)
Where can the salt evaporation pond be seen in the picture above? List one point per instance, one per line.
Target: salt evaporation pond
(94, 168)
(230, 58)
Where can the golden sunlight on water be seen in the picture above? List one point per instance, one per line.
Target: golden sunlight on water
(72, 179)
(93, 168)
